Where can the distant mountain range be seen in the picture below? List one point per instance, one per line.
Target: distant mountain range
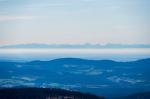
(101, 77)
(77, 46)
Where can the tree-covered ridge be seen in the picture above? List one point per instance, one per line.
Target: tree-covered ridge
(43, 93)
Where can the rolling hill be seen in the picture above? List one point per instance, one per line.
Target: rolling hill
(101, 77)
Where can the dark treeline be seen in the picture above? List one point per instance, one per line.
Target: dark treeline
(43, 93)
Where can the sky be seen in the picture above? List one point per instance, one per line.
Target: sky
(74, 21)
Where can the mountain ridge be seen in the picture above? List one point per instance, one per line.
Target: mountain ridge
(104, 78)
(109, 45)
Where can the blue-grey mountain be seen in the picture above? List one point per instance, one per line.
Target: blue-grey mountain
(101, 77)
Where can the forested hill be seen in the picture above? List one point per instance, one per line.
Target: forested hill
(100, 77)
(43, 93)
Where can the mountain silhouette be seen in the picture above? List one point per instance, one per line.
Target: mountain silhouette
(100, 77)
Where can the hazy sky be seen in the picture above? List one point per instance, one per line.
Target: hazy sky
(75, 21)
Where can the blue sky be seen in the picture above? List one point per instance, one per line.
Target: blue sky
(74, 21)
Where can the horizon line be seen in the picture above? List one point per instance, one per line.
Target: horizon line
(85, 45)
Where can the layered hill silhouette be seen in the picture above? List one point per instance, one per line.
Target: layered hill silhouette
(43, 93)
(101, 77)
